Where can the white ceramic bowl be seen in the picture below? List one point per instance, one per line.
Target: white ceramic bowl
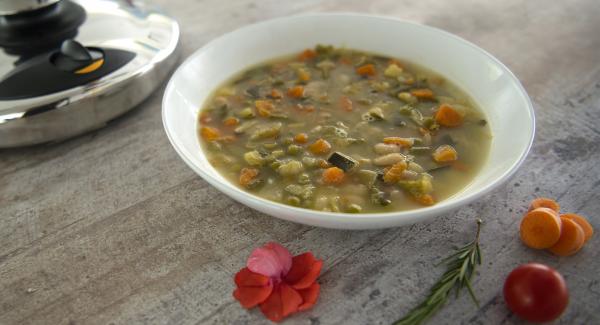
(489, 82)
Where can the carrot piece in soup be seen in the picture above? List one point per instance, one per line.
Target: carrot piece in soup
(540, 228)
(307, 55)
(320, 146)
(231, 121)
(424, 93)
(588, 231)
(571, 239)
(333, 175)
(366, 70)
(264, 107)
(296, 92)
(209, 133)
(425, 199)
(394, 173)
(276, 94)
(346, 104)
(447, 115)
(301, 138)
(403, 142)
(247, 175)
(445, 153)
(542, 202)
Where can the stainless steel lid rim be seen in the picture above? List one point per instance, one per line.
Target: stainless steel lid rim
(148, 32)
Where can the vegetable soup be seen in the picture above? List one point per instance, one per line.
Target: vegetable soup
(341, 130)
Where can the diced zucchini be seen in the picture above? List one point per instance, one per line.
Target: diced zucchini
(342, 161)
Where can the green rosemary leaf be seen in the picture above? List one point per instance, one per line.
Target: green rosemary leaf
(460, 267)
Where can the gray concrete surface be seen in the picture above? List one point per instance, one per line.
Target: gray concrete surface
(112, 227)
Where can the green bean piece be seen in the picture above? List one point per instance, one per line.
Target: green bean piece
(293, 200)
(294, 149)
(246, 113)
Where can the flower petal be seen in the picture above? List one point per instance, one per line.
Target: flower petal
(283, 302)
(305, 270)
(309, 296)
(272, 260)
(247, 278)
(252, 296)
(309, 278)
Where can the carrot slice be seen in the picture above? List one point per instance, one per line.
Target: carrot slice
(301, 138)
(247, 175)
(403, 142)
(588, 231)
(346, 104)
(542, 202)
(425, 199)
(296, 92)
(231, 121)
(276, 94)
(571, 238)
(307, 55)
(394, 173)
(366, 70)
(424, 93)
(209, 134)
(446, 115)
(540, 228)
(264, 107)
(320, 147)
(445, 153)
(333, 175)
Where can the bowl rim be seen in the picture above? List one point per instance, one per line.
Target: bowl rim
(410, 216)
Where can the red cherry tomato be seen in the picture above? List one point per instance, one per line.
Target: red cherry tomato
(536, 292)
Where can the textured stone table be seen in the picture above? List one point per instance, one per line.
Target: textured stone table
(112, 227)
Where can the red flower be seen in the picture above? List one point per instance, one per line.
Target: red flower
(277, 282)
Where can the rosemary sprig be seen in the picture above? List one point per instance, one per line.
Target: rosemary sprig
(460, 269)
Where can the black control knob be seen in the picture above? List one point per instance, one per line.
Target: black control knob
(74, 57)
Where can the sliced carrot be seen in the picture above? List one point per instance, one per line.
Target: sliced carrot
(296, 92)
(588, 231)
(307, 55)
(445, 153)
(366, 70)
(346, 104)
(333, 175)
(425, 199)
(571, 238)
(424, 93)
(403, 142)
(446, 115)
(264, 107)
(543, 202)
(301, 138)
(276, 94)
(540, 228)
(247, 175)
(320, 147)
(209, 133)
(231, 121)
(394, 173)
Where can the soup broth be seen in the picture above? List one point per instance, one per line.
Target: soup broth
(344, 131)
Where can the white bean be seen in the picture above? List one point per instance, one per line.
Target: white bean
(389, 159)
(383, 148)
